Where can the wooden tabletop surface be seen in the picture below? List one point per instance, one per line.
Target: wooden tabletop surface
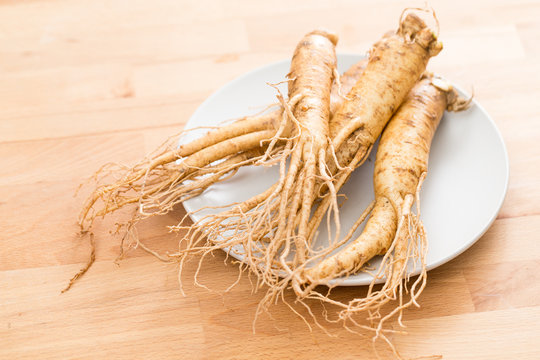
(87, 82)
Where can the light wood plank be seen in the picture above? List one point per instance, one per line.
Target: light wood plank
(483, 336)
(84, 83)
(155, 42)
(104, 321)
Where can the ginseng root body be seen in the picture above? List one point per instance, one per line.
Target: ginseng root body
(393, 230)
(285, 218)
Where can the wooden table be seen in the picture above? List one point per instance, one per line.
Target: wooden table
(86, 82)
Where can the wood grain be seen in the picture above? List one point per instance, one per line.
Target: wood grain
(84, 83)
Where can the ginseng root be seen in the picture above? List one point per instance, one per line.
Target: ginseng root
(395, 63)
(392, 230)
(160, 181)
(281, 214)
(173, 174)
(159, 175)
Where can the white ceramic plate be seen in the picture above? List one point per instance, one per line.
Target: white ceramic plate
(462, 194)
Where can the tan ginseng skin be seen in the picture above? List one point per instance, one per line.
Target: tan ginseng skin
(285, 214)
(220, 138)
(396, 63)
(312, 73)
(156, 178)
(401, 160)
